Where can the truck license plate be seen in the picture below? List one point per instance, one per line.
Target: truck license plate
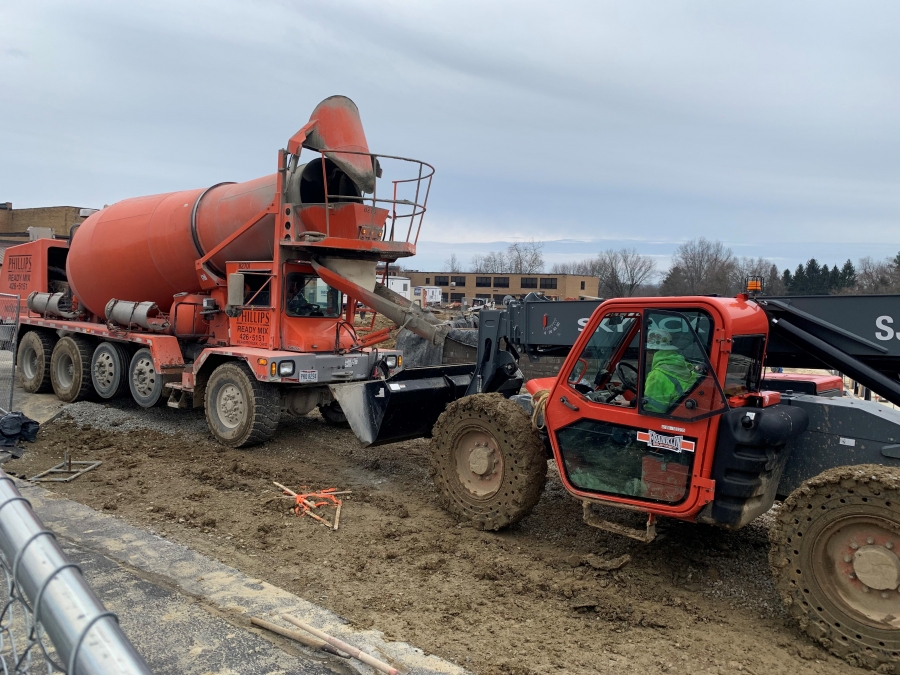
(308, 376)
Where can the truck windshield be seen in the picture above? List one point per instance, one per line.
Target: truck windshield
(744, 364)
(308, 295)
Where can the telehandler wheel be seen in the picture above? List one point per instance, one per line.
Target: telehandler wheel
(240, 410)
(33, 357)
(488, 463)
(835, 559)
(333, 414)
(70, 369)
(109, 369)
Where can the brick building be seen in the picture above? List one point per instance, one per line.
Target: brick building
(16, 222)
(458, 286)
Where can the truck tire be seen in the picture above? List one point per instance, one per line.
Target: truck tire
(835, 560)
(333, 414)
(240, 410)
(70, 369)
(148, 387)
(33, 356)
(109, 369)
(487, 462)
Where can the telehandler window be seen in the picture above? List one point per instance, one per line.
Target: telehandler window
(678, 380)
(623, 461)
(744, 364)
(607, 369)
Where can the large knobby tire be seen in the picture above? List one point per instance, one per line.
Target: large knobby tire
(109, 369)
(487, 462)
(33, 356)
(70, 369)
(240, 410)
(835, 559)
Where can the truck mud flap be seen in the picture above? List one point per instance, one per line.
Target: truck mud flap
(404, 406)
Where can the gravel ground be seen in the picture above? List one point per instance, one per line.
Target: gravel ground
(126, 415)
(523, 601)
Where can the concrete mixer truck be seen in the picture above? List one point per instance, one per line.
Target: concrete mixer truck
(215, 297)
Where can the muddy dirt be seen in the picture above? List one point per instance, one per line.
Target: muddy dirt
(541, 597)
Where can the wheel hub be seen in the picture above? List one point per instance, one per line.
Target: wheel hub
(65, 371)
(479, 463)
(103, 370)
(857, 566)
(30, 363)
(144, 377)
(482, 460)
(231, 406)
(877, 567)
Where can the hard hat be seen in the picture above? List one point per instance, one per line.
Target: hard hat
(660, 340)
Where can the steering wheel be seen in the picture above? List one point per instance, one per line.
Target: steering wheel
(629, 385)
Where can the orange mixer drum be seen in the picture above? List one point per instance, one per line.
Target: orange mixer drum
(145, 248)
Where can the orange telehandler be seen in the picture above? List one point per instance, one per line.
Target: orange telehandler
(661, 408)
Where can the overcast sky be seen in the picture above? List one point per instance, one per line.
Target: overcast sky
(773, 126)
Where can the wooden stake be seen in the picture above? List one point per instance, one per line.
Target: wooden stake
(307, 503)
(380, 666)
(337, 516)
(314, 643)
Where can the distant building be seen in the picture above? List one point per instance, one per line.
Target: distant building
(400, 285)
(60, 219)
(469, 285)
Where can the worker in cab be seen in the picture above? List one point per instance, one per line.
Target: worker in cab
(669, 375)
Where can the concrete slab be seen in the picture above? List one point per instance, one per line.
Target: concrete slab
(39, 407)
(176, 583)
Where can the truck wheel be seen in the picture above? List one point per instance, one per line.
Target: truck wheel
(70, 369)
(488, 463)
(835, 559)
(33, 357)
(109, 369)
(147, 386)
(240, 410)
(333, 414)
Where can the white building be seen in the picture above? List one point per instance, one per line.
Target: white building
(427, 295)
(400, 285)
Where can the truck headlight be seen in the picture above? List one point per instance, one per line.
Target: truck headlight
(286, 368)
(390, 361)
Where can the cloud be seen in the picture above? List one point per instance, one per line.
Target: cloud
(759, 123)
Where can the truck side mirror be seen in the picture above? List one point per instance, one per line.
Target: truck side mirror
(235, 295)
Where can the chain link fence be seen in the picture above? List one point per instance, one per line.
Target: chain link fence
(50, 619)
(9, 340)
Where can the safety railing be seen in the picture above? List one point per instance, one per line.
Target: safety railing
(50, 619)
(409, 193)
(9, 340)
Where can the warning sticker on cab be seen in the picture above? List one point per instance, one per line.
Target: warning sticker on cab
(308, 376)
(665, 442)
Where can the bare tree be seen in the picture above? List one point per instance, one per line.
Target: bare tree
(700, 267)
(452, 264)
(519, 258)
(623, 272)
(877, 276)
(525, 257)
(756, 267)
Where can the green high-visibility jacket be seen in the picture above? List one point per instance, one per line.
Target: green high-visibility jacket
(669, 378)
